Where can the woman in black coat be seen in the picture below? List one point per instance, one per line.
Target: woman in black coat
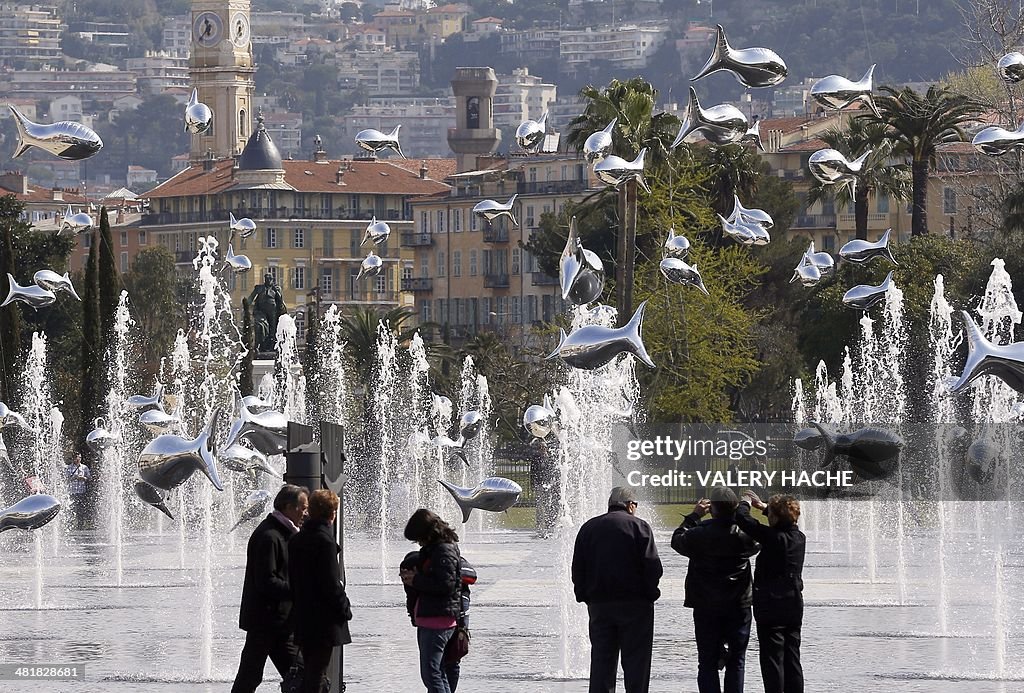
(778, 589)
(320, 607)
(437, 585)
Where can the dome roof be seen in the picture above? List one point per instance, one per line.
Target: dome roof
(260, 153)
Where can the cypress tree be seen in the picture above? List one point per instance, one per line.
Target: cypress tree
(245, 377)
(311, 357)
(10, 315)
(91, 385)
(109, 282)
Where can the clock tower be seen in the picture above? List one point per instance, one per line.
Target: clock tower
(222, 69)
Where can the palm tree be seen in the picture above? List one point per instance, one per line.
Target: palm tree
(877, 175)
(735, 170)
(359, 330)
(917, 124)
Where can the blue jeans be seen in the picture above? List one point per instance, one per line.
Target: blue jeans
(715, 628)
(432, 670)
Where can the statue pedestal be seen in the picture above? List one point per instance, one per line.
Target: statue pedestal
(262, 367)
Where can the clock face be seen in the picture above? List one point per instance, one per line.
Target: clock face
(240, 30)
(207, 29)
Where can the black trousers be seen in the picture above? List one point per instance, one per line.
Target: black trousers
(316, 657)
(780, 658)
(715, 629)
(260, 644)
(626, 628)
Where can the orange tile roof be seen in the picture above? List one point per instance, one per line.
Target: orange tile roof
(488, 20)
(437, 169)
(449, 9)
(360, 176)
(811, 145)
(45, 195)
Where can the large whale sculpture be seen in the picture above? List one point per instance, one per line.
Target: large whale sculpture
(594, 346)
(266, 431)
(31, 512)
(494, 494)
(752, 67)
(169, 460)
(65, 139)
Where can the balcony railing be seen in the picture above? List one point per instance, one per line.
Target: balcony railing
(418, 284)
(875, 220)
(370, 297)
(495, 234)
(815, 221)
(554, 187)
(417, 240)
(496, 281)
(542, 279)
(221, 215)
(184, 257)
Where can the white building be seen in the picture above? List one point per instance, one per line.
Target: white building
(159, 71)
(627, 47)
(520, 96)
(424, 121)
(66, 108)
(177, 36)
(29, 35)
(378, 73)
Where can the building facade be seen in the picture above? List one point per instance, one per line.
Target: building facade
(29, 36)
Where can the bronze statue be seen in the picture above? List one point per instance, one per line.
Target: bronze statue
(267, 303)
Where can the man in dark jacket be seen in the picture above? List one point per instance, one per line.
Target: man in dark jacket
(266, 598)
(321, 608)
(717, 588)
(615, 571)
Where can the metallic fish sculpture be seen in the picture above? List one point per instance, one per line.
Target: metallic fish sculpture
(745, 232)
(33, 295)
(530, 133)
(31, 512)
(66, 139)
(1011, 67)
(440, 405)
(198, 116)
(76, 223)
(806, 273)
(1004, 361)
(721, 124)
(750, 216)
(150, 495)
(153, 401)
(599, 144)
(863, 296)
(169, 460)
(981, 460)
(753, 136)
(371, 266)
(830, 167)
(825, 263)
(489, 210)
(9, 417)
(99, 438)
(470, 425)
(255, 504)
(244, 227)
(836, 93)
(996, 141)
(454, 447)
(676, 271)
(158, 422)
(51, 281)
(676, 246)
(255, 404)
(244, 460)
(494, 494)
(375, 141)
(540, 420)
(594, 346)
(752, 67)
(580, 271)
(614, 170)
(376, 232)
(418, 444)
(239, 264)
(860, 252)
(867, 449)
(266, 431)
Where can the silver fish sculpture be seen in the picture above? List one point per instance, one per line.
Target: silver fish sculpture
(614, 170)
(753, 136)
(153, 401)
(836, 93)
(75, 223)
(494, 494)
(599, 145)
(808, 439)
(806, 272)
(371, 266)
(830, 167)
(377, 232)
(859, 252)
(867, 449)
(35, 296)
(375, 141)
(440, 405)
(1011, 67)
(198, 116)
(266, 431)
(863, 296)
(244, 227)
(65, 139)
(244, 460)
(454, 447)
(752, 67)
(676, 246)
(721, 124)
(996, 141)
(169, 460)
(255, 505)
(418, 444)
(594, 346)
(31, 512)
(489, 210)
(580, 271)
(255, 404)
(982, 459)
(750, 216)
(745, 232)
(99, 438)
(51, 281)
(1004, 361)
(540, 420)
(470, 425)
(676, 271)
(9, 417)
(239, 264)
(825, 263)
(530, 133)
(150, 495)
(158, 422)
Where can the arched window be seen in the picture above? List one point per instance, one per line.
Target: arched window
(241, 122)
(473, 113)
